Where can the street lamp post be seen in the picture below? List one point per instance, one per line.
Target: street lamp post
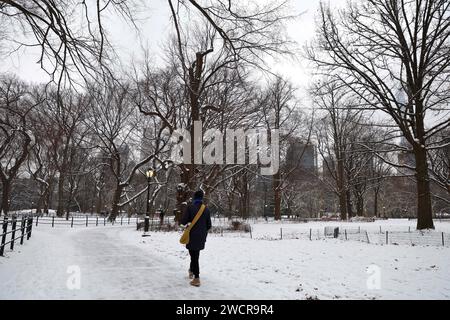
(149, 174)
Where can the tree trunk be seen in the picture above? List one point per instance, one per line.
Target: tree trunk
(115, 203)
(375, 203)
(360, 206)
(277, 196)
(348, 199)
(6, 190)
(341, 189)
(40, 202)
(230, 206)
(69, 201)
(48, 198)
(99, 202)
(61, 202)
(424, 208)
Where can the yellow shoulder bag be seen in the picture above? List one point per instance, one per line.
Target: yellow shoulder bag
(185, 237)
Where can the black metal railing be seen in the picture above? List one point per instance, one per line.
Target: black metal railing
(23, 227)
(86, 221)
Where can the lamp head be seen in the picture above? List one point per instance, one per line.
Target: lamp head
(150, 173)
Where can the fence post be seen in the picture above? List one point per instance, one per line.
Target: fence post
(28, 229)
(22, 228)
(409, 229)
(53, 222)
(96, 221)
(13, 234)
(345, 231)
(387, 237)
(4, 228)
(251, 237)
(87, 221)
(37, 220)
(367, 236)
(71, 222)
(310, 234)
(128, 220)
(359, 229)
(121, 219)
(146, 223)
(443, 242)
(380, 230)
(281, 233)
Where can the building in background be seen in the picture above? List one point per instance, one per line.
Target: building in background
(301, 158)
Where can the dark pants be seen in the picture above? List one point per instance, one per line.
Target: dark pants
(194, 267)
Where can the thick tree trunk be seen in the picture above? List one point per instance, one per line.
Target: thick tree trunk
(360, 206)
(48, 198)
(61, 202)
(99, 202)
(375, 203)
(343, 205)
(115, 202)
(424, 208)
(348, 199)
(6, 191)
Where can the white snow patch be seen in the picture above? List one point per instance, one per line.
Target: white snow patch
(118, 263)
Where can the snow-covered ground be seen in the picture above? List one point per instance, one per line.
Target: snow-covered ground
(118, 263)
(263, 228)
(273, 230)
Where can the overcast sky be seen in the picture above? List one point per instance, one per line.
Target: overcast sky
(155, 26)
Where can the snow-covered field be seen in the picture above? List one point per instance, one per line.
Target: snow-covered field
(118, 263)
(263, 228)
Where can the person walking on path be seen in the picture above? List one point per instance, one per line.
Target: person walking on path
(197, 235)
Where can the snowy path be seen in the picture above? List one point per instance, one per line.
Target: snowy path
(117, 263)
(110, 269)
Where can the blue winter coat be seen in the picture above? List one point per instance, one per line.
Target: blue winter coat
(197, 236)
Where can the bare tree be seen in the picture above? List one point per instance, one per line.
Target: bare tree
(440, 161)
(53, 27)
(280, 112)
(332, 134)
(60, 121)
(117, 130)
(16, 137)
(378, 48)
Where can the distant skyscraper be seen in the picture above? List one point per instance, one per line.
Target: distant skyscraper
(301, 157)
